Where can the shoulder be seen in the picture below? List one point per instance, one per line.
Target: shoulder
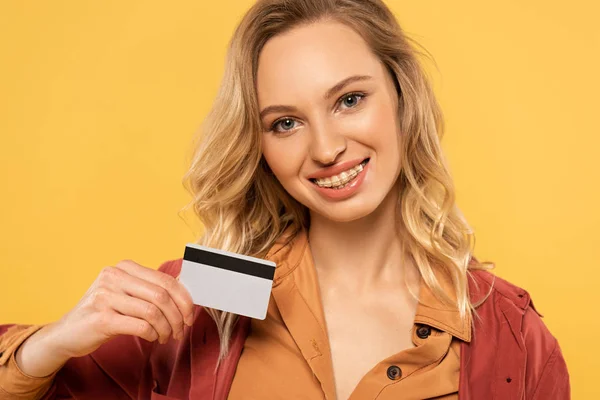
(484, 284)
(501, 304)
(492, 294)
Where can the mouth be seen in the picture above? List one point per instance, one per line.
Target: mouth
(342, 179)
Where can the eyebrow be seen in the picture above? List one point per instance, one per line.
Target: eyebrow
(332, 91)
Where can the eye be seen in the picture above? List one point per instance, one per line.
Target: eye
(350, 100)
(287, 124)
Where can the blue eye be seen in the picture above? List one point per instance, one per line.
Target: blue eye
(352, 99)
(286, 123)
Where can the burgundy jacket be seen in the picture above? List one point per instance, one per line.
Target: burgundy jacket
(512, 356)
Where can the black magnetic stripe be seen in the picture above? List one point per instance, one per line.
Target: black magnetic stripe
(229, 263)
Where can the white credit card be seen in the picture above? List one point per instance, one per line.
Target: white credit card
(227, 281)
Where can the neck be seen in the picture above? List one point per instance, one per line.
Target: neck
(361, 253)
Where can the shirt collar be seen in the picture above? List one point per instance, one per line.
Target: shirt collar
(288, 250)
(434, 312)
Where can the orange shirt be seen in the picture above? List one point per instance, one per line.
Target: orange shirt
(12, 379)
(287, 355)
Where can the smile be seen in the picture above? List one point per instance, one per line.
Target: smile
(342, 179)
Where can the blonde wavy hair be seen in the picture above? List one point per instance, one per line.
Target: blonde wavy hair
(243, 208)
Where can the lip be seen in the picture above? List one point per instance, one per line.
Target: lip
(336, 169)
(345, 192)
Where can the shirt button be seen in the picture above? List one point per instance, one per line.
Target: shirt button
(423, 332)
(394, 372)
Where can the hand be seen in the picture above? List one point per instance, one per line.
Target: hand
(127, 299)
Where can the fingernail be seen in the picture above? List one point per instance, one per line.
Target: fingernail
(189, 321)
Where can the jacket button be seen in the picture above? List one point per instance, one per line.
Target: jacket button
(423, 332)
(394, 372)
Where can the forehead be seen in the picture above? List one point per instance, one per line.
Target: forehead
(309, 59)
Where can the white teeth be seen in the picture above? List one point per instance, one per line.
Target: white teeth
(340, 179)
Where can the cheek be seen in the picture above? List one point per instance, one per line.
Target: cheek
(386, 122)
(377, 126)
(282, 156)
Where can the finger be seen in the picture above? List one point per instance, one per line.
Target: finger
(178, 292)
(143, 310)
(142, 289)
(126, 325)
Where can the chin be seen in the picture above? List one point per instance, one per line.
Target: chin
(344, 213)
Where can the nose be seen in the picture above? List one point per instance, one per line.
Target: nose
(326, 144)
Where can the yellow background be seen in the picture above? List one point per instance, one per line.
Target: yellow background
(99, 101)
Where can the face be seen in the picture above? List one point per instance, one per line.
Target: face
(329, 111)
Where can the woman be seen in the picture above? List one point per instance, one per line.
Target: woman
(322, 154)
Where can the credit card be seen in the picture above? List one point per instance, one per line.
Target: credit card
(227, 281)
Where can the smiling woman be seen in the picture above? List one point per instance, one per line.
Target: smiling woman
(321, 153)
